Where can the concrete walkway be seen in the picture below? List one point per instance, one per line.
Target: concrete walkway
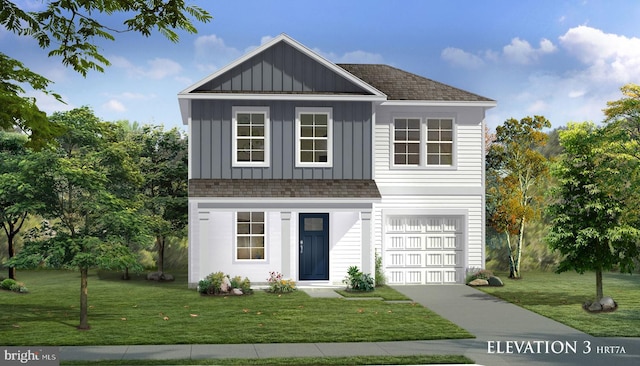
(506, 335)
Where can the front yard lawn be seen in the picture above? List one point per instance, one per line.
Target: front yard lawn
(142, 312)
(560, 297)
(298, 361)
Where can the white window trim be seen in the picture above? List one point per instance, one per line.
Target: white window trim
(234, 138)
(235, 239)
(315, 110)
(423, 144)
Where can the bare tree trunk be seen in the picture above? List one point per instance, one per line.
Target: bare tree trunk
(12, 270)
(520, 245)
(599, 294)
(84, 315)
(511, 260)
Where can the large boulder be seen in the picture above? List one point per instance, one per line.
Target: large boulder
(495, 281)
(607, 304)
(226, 284)
(159, 276)
(479, 282)
(595, 307)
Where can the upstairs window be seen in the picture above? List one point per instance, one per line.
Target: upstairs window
(422, 142)
(251, 136)
(439, 142)
(406, 141)
(314, 137)
(250, 236)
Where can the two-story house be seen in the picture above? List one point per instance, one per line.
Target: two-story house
(305, 167)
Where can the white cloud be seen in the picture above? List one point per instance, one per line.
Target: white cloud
(459, 57)
(212, 53)
(521, 52)
(161, 68)
(157, 68)
(354, 57)
(608, 57)
(114, 105)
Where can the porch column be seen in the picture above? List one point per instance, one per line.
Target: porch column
(285, 218)
(368, 258)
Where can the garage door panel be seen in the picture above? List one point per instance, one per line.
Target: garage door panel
(424, 249)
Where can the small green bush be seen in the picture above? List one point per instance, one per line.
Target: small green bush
(483, 274)
(212, 284)
(279, 285)
(6, 284)
(13, 285)
(358, 281)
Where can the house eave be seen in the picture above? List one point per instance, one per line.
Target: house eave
(439, 103)
(300, 97)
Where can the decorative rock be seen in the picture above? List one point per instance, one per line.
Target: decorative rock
(479, 282)
(595, 307)
(495, 281)
(159, 276)
(226, 284)
(607, 304)
(237, 291)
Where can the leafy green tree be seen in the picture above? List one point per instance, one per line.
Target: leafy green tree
(71, 30)
(24, 182)
(515, 168)
(91, 208)
(164, 165)
(588, 222)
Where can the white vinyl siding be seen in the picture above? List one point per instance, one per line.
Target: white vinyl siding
(468, 153)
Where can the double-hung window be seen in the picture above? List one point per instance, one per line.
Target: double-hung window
(250, 235)
(314, 142)
(406, 141)
(250, 136)
(439, 141)
(422, 142)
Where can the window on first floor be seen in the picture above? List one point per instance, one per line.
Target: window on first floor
(250, 235)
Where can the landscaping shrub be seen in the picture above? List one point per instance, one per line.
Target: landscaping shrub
(381, 279)
(483, 274)
(13, 285)
(212, 284)
(358, 281)
(242, 284)
(279, 285)
(6, 284)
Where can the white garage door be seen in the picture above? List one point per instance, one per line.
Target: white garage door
(424, 249)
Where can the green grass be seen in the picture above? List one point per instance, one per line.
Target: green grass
(385, 292)
(560, 297)
(299, 361)
(134, 312)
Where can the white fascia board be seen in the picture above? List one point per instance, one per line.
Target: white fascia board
(302, 97)
(299, 46)
(439, 103)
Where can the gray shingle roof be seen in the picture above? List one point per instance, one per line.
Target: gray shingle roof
(402, 85)
(284, 188)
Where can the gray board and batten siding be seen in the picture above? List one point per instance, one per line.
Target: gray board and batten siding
(211, 138)
(281, 69)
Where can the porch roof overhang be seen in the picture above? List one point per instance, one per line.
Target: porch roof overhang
(352, 190)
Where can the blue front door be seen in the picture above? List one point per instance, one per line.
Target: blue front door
(314, 246)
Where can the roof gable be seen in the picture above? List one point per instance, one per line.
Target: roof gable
(282, 66)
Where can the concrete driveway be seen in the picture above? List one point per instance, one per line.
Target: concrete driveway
(509, 335)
